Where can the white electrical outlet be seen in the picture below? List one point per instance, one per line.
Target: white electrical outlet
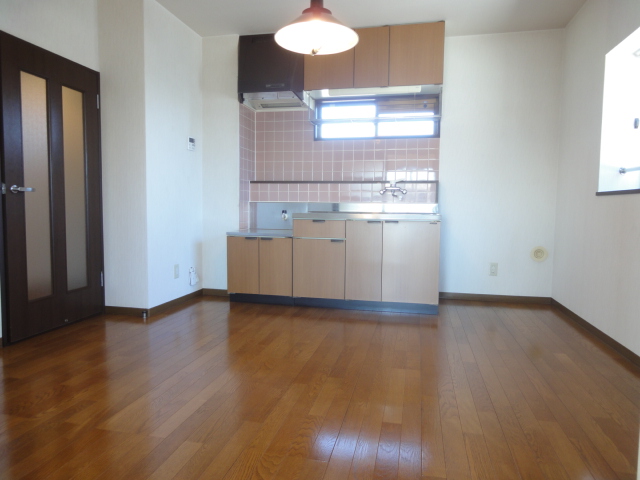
(493, 269)
(176, 271)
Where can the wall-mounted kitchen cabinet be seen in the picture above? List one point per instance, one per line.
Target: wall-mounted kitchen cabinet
(328, 71)
(371, 58)
(259, 265)
(416, 54)
(398, 55)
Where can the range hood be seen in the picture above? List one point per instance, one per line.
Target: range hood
(282, 101)
(269, 77)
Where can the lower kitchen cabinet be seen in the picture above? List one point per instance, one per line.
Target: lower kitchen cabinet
(243, 275)
(363, 278)
(276, 266)
(318, 268)
(410, 262)
(259, 265)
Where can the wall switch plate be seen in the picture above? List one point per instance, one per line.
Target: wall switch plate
(493, 269)
(176, 271)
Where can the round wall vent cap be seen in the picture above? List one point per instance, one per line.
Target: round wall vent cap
(539, 254)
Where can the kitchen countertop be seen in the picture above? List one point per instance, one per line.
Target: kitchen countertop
(416, 217)
(261, 232)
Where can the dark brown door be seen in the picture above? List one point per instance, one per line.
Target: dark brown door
(52, 213)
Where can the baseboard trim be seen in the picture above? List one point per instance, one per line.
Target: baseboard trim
(138, 312)
(606, 339)
(131, 311)
(214, 292)
(478, 297)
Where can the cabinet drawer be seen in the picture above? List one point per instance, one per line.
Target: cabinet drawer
(319, 228)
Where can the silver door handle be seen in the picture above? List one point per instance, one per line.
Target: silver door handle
(16, 189)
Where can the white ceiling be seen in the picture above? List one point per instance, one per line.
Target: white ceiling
(463, 17)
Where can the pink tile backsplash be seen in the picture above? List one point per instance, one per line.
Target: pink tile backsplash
(284, 150)
(247, 160)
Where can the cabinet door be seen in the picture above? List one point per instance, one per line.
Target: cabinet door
(328, 71)
(318, 268)
(410, 262)
(363, 278)
(276, 266)
(416, 54)
(371, 66)
(243, 265)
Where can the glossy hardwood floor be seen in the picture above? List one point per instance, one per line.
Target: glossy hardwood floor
(215, 390)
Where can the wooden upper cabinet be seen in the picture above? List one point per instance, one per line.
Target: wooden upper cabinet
(328, 71)
(371, 55)
(416, 54)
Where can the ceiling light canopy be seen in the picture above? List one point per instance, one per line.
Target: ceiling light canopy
(316, 32)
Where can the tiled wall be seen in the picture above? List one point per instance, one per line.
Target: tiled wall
(285, 151)
(247, 160)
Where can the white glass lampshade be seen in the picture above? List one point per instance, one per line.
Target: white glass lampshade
(316, 32)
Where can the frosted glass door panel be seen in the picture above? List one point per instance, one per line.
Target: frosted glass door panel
(35, 147)
(74, 187)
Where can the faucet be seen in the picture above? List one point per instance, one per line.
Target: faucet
(394, 189)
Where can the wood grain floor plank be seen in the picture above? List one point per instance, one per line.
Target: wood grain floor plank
(212, 389)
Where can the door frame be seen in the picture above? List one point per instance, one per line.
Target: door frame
(96, 207)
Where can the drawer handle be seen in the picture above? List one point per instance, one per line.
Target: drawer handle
(318, 221)
(250, 238)
(336, 240)
(266, 238)
(391, 221)
(374, 221)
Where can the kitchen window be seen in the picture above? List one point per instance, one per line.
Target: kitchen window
(389, 117)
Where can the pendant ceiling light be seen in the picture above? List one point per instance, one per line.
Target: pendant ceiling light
(316, 32)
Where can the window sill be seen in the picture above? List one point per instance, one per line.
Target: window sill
(617, 192)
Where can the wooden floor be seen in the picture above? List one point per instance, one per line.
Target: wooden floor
(215, 390)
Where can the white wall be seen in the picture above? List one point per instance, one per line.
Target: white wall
(66, 27)
(123, 152)
(597, 268)
(173, 105)
(498, 161)
(221, 166)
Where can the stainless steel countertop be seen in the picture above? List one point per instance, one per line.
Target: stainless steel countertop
(416, 217)
(259, 232)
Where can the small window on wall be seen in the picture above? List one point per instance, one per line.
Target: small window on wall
(389, 117)
(620, 141)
